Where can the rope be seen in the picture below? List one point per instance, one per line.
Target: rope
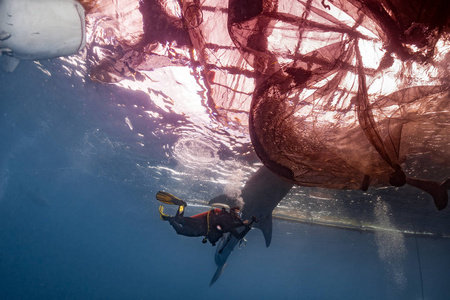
(418, 258)
(418, 253)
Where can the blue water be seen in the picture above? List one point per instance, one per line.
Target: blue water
(78, 219)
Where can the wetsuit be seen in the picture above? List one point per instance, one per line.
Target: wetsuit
(212, 224)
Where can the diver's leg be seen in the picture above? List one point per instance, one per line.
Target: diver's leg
(188, 226)
(178, 222)
(180, 211)
(178, 227)
(174, 221)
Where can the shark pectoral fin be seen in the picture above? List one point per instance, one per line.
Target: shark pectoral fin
(265, 224)
(9, 63)
(223, 251)
(224, 248)
(217, 274)
(437, 190)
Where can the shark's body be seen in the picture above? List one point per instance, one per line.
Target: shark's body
(33, 30)
(261, 194)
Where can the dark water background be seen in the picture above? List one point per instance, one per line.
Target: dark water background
(78, 220)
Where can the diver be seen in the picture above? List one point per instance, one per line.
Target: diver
(211, 224)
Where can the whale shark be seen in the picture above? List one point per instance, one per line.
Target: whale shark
(261, 194)
(34, 30)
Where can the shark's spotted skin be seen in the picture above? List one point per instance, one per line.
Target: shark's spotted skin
(34, 30)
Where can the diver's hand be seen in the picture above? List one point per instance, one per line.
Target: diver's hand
(249, 224)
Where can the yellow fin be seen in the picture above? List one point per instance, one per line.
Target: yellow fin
(162, 215)
(169, 199)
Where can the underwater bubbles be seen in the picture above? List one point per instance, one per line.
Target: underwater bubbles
(390, 244)
(198, 170)
(233, 188)
(199, 161)
(195, 152)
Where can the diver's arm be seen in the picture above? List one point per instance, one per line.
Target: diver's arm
(248, 226)
(242, 234)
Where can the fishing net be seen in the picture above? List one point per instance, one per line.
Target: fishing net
(335, 94)
(347, 93)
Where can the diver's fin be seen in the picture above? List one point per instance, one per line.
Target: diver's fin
(181, 209)
(265, 224)
(169, 199)
(437, 190)
(162, 215)
(217, 274)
